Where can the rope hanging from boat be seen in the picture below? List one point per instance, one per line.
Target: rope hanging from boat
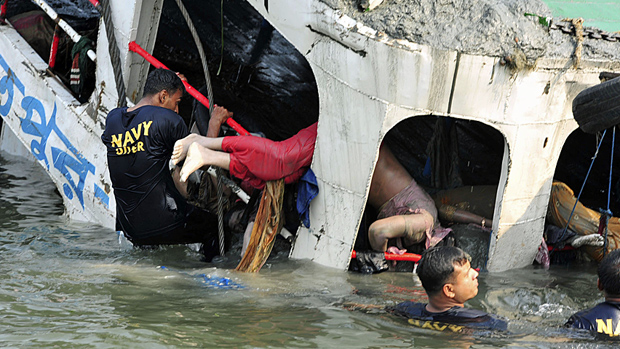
(103, 7)
(205, 68)
(75, 37)
(219, 69)
(268, 223)
(608, 213)
(581, 191)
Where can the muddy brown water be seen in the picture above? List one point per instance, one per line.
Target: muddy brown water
(69, 284)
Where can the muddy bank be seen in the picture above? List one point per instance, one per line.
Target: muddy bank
(479, 27)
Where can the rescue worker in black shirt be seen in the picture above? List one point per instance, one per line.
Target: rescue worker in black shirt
(604, 319)
(449, 281)
(151, 208)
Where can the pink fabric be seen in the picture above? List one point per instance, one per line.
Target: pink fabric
(257, 160)
(436, 235)
(412, 200)
(395, 250)
(542, 255)
(408, 200)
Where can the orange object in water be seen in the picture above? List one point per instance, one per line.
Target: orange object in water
(409, 257)
(585, 221)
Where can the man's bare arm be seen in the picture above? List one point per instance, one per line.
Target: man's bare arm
(219, 116)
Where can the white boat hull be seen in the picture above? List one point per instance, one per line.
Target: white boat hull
(367, 83)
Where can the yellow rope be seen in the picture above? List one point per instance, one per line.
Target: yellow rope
(267, 226)
(578, 24)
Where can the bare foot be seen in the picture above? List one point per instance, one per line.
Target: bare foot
(193, 161)
(180, 148)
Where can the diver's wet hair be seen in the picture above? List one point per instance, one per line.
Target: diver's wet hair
(436, 266)
(609, 273)
(163, 79)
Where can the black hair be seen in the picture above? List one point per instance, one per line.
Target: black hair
(163, 79)
(609, 273)
(436, 266)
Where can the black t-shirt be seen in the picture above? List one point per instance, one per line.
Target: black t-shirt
(139, 146)
(455, 319)
(603, 319)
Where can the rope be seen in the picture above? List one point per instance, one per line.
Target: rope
(115, 55)
(578, 24)
(203, 60)
(220, 210)
(581, 190)
(221, 37)
(201, 52)
(608, 212)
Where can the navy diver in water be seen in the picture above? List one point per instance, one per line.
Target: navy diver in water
(449, 281)
(604, 319)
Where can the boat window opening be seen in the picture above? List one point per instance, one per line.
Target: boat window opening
(267, 84)
(42, 34)
(581, 168)
(458, 163)
(573, 165)
(545, 142)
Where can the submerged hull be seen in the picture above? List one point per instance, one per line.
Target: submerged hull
(50, 125)
(367, 83)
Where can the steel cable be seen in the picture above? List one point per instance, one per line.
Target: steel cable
(580, 191)
(203, 59)
(115, 55)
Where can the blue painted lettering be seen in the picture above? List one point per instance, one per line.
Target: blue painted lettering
(71, 163)
(6, 86)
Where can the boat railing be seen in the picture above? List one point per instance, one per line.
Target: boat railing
(75, 37)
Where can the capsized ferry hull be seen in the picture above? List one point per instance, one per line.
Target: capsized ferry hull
(367, 83)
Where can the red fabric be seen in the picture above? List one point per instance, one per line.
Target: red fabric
(75, 71)
(257, 160)
(29, 21)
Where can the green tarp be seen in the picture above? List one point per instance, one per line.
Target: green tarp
(602, 14)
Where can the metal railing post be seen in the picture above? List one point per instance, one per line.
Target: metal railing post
(54, 48)
(75, 37)
(3, 11)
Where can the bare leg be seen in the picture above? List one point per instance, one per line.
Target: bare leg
(455, 215)
(182, 145)
(198, 156)
(411, 227)
(181, 186)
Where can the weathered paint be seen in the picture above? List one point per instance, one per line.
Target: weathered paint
(43, 121)
(62, 135)
(368, 83)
